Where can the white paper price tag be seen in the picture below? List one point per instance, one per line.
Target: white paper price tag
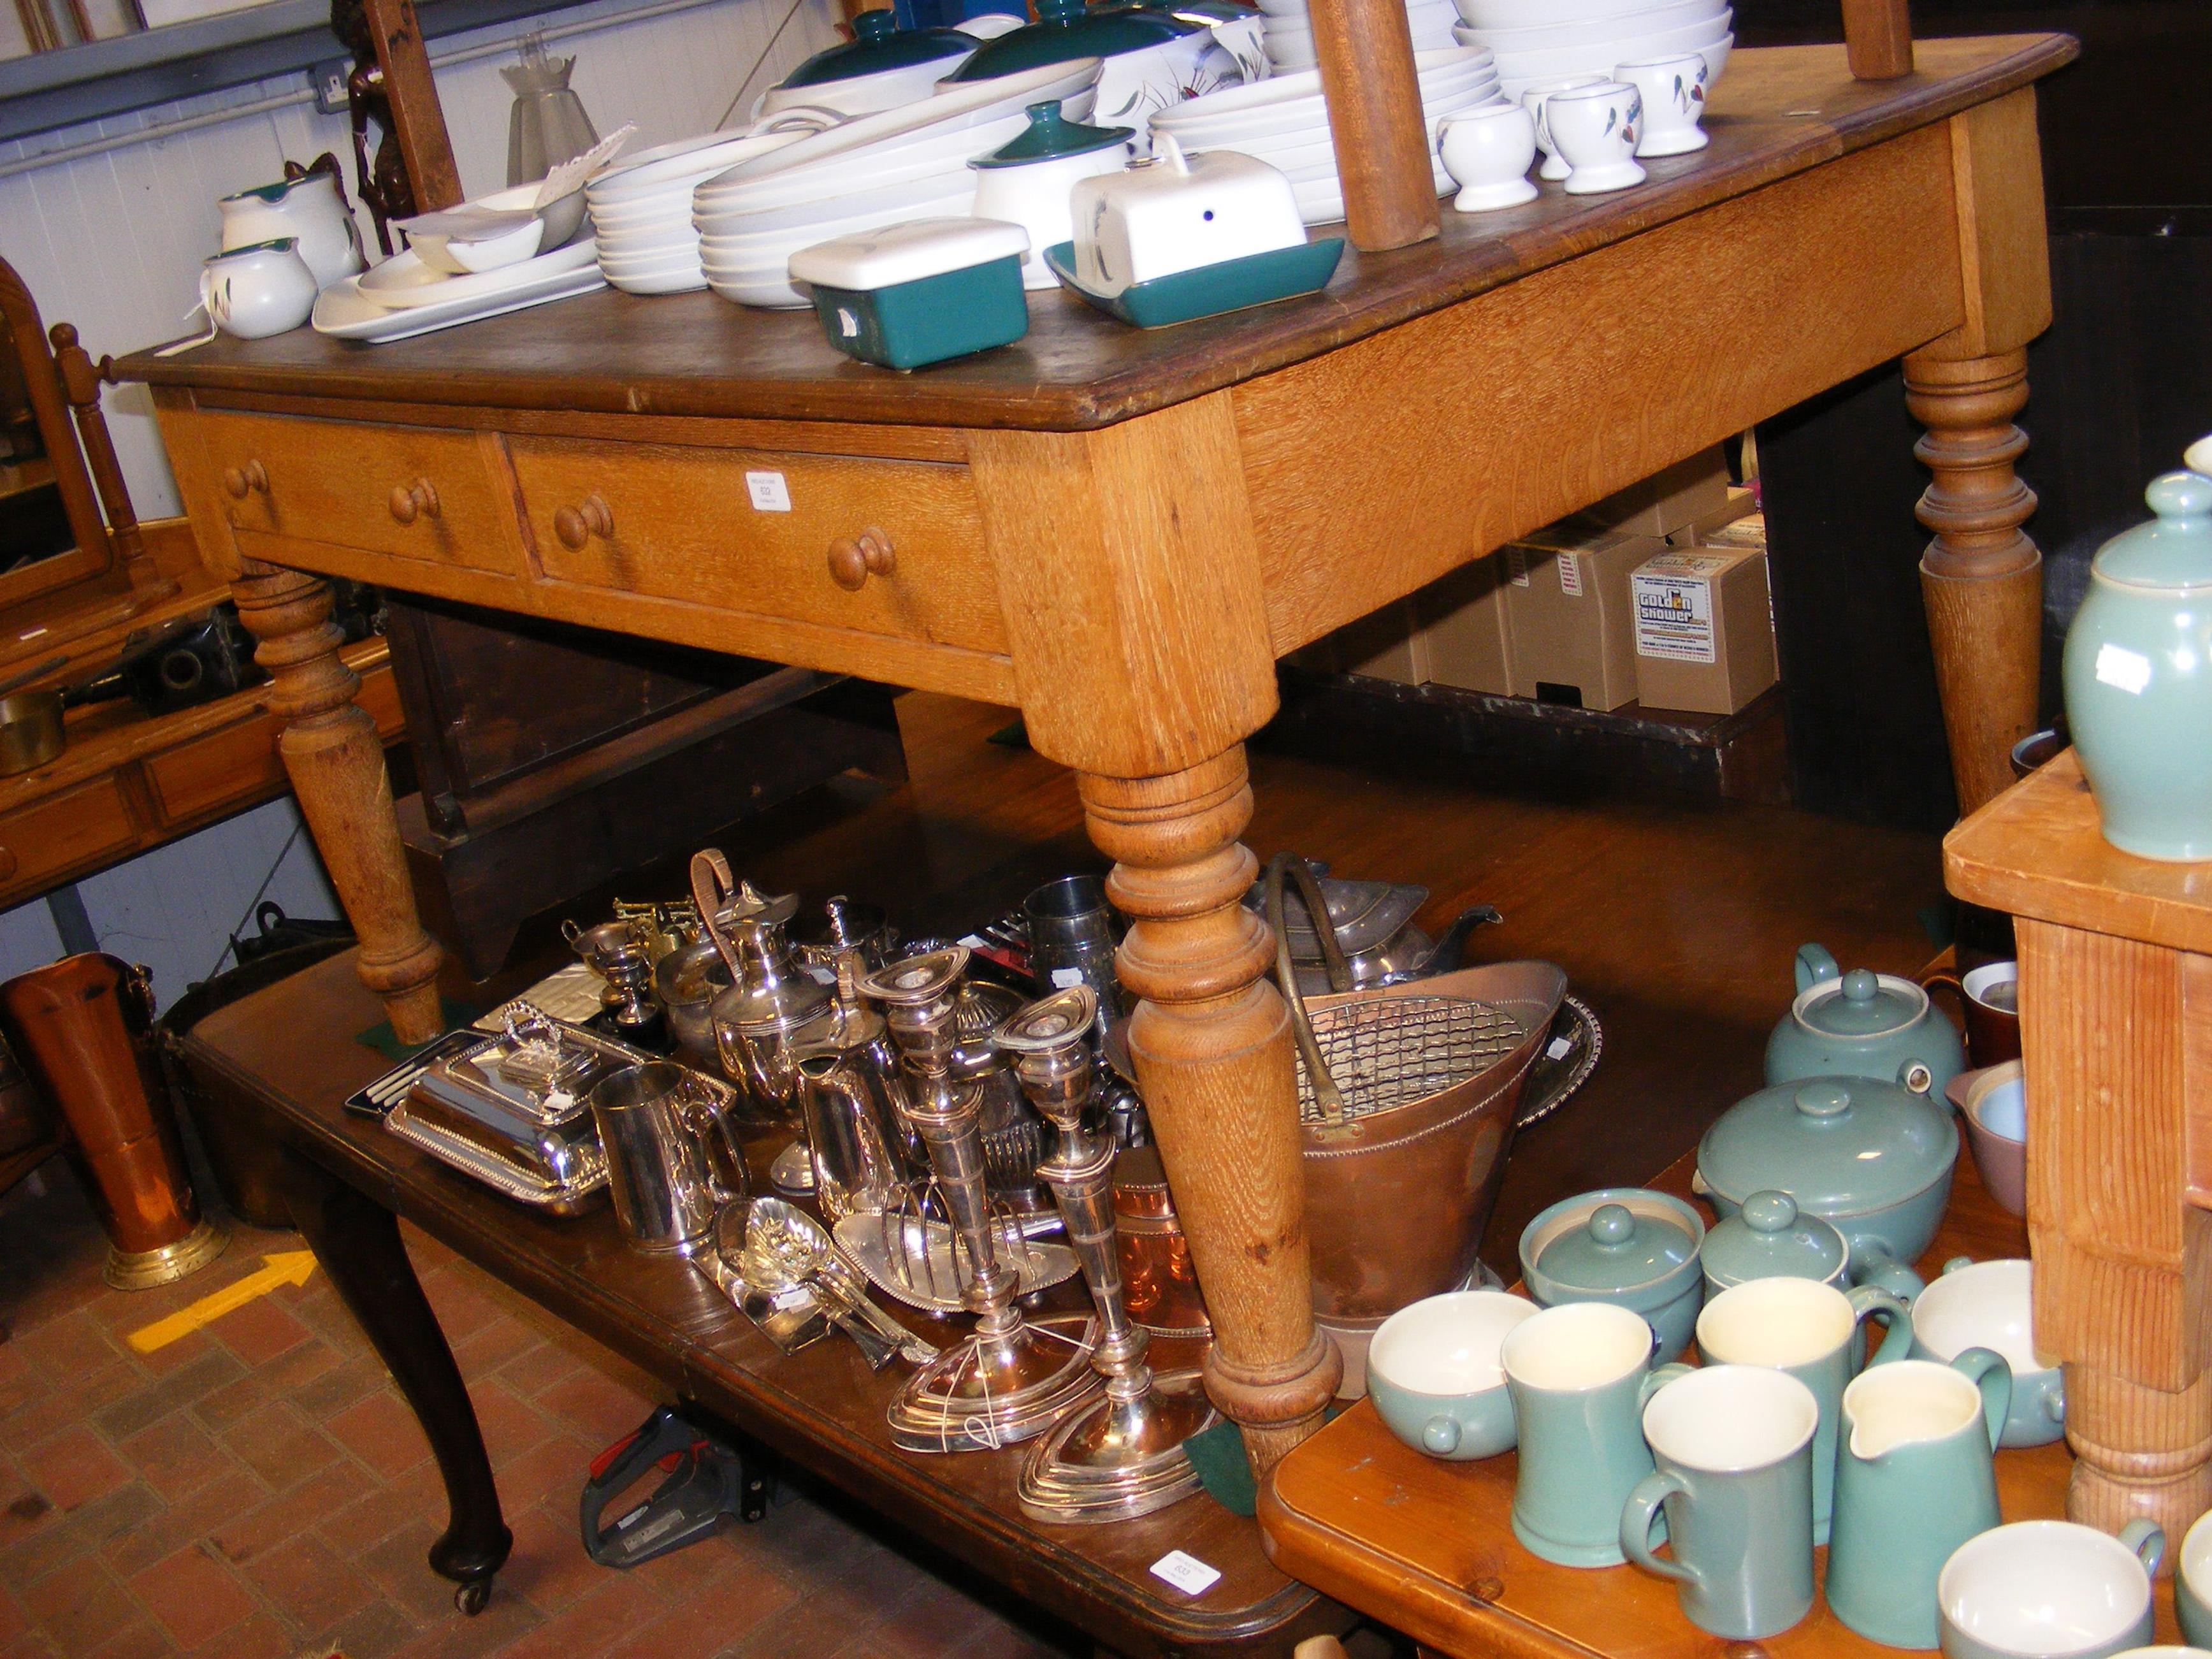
(769, 492)
(1185, 1572)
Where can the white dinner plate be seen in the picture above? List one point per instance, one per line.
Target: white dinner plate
(399, 284)
(345, 313)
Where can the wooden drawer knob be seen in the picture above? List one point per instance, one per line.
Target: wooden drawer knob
(575, 526)
(8, 862)
(243, 481)
(409, 500)
(856, 558)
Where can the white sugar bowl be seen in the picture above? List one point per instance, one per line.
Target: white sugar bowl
(1174, 212)
(250, 293)
(1029, 182)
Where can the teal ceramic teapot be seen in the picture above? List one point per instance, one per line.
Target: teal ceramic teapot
(2138, 677)
(1862, 1023)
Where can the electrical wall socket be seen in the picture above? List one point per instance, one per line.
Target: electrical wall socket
(330, 81)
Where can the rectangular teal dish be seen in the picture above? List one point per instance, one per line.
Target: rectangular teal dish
(1232, 285)
(908, 324)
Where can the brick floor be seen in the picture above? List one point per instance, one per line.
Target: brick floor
(259, 1490)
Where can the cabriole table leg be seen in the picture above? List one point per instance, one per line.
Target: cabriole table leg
(1212, 1044)
(1981, 578)
(336, 763)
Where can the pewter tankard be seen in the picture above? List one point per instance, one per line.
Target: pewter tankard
(658, 1123)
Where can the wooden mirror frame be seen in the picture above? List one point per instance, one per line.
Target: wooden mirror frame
(94, 555)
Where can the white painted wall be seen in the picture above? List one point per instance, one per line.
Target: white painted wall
(113, 243)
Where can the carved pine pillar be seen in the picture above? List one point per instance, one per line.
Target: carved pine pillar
(1981, 578)
(1214, 1060)
(336, 762)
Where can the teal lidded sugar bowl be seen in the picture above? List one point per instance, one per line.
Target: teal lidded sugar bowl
(2138, 677)
(1872, 1159)
(1862, 1023)
(1770, 1237)
(1630, 1246)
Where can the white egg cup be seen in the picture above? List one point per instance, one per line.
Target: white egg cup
(1595, 130)
(1488, 151)
(1673, 91)
(1554, 169)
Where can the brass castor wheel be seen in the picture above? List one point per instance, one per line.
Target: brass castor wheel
(470, 1597)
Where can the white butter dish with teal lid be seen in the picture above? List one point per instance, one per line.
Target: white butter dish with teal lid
(921, 292)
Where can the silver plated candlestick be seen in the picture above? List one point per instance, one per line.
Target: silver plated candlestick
(1012, 1378)
(1122, 1455)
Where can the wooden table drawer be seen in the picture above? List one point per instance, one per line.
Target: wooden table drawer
(64, 831)
(682, 523)
(427, 493)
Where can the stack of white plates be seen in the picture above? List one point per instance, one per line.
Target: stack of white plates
(641, 210)
(1283, 121)
(1287, 33)
(863, 174)
(1541, 39)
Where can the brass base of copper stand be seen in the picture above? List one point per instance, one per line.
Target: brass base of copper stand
(983, 1393)
(1113, 1459)
(141, 1270)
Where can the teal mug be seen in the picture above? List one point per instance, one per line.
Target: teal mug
(1434, 1375)
(1810, 1331)
(1915, 1478)
(1734, 1449)
(2192, 1583)
(1579, 1375)
(2049, 1589)
(1990, 1304)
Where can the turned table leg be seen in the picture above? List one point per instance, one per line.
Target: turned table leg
(2122, 1260)
(1212, 1044)
(1981, 578)
(336, 762)
(356, 1242)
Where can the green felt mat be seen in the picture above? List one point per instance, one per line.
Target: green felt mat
(1217, 1455)
(381, 1038)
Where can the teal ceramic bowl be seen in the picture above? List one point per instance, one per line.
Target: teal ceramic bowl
(1990, 1304)
(2049, 1589)
(1433, 1373)
(1630, 1246)
(2192, 1583)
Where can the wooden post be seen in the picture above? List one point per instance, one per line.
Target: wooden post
(1102, 538)
(417, 118)
(81, 383)
(1982, 578)
(1376, 122)
(1878, 38)
(336, 762)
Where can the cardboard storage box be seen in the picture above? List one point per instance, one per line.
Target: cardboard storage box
(1704, 629)
(1666, 501)
(1464, 640)
(1573, 632)
(1384, 645)
(1714, 528)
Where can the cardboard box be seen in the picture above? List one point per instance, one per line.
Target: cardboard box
(1464, 638)
(1572, 636)
(1704, 629)
(1383, 645)
(1714, 529)
(1666, 500)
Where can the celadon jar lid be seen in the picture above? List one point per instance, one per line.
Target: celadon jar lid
(1837, 1146)
(881, 44)
(1770, 1237)
(1609, 1244)
(1860, 1003)
(2174, 549)
(1066, 30)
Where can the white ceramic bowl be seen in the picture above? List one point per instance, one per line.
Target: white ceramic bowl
(910, 167)
(676, 234)
(673, 282)
(679, 166)
(1538, 14)
(869, 204)
(2045, 1588)
(1680, 14)
(490, 253)
(744, 244)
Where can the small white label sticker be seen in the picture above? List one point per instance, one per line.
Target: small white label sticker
(1516, 566)
(1570, 574)
(769, 492)
(1185, 1572)
(848, 324)
(1560, 1048)
(2128, 670)
(1067, 979)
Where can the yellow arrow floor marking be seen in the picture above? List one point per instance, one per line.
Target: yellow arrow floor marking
(286, 1267)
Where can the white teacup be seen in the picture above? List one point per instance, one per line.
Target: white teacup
(253, 292)
(1596, 130)
(1554, 169)
(2049, 1589)
(1673, 91)
(1990, 1304)
(1488, 151)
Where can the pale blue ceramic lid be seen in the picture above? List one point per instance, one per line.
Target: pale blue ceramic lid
(1860, 1004)
(1616, 1249)
(2174, 549)
(1770, 1238)
(1838, 1145)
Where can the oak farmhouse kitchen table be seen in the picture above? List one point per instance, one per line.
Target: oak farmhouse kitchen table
(1119, 532)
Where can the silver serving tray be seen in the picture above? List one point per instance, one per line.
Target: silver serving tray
(584, 1190)
(862, 1237)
